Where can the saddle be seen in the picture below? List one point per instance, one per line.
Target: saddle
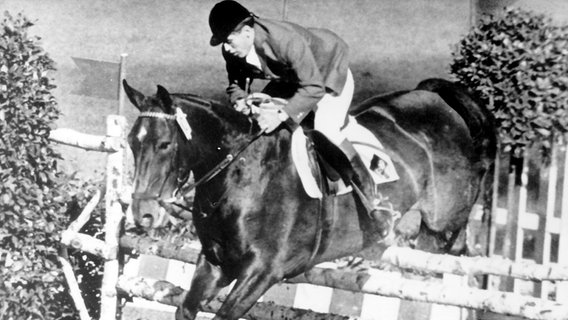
(310, 146)
(335, 167)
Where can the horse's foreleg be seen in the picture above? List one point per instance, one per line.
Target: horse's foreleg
(250, 286)
(207, 280)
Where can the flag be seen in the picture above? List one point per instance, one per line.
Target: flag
(100, 78)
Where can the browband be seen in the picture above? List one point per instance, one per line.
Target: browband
(179, 117)
(150, 114)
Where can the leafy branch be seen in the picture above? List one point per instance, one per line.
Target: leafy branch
(517, 62)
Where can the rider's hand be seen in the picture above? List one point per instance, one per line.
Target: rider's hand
(268, 119)
(268, 111)
(255, 100)
(268, 105)
(241, 106)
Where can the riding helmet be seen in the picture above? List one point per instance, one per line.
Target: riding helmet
(224, 18)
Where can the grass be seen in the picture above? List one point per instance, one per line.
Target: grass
(392, 47)
(394, 44)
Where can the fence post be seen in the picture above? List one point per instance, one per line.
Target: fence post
(516, 207)
(121, 76)
(284, 9)
(562, 286)
(109, 299)
(552, 185)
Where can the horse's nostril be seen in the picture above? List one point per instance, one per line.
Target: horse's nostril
(147, 221)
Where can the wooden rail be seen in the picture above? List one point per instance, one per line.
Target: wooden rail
(113, 144)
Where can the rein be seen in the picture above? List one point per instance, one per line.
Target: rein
(229, 159)
(181, 119)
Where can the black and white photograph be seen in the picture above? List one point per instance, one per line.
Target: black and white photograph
(283, 159)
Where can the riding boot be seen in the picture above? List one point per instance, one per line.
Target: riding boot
(364, 186)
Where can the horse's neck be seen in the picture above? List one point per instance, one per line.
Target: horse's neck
(219, 145)
(249, 156)
(225, 133)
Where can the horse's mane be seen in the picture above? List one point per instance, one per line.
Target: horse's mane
(228, 116)
(197, 99)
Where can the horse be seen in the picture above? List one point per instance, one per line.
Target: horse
(253, 218)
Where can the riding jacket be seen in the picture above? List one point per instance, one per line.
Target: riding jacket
(314, 60)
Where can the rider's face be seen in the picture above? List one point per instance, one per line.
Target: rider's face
(240, 42)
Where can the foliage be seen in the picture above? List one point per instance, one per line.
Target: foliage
(88, 268)
(517, 62)
(34, 194)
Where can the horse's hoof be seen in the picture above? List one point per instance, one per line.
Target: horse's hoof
(184, 314)
(384, 221)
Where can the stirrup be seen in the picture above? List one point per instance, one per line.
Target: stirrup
(384, 214)
(383, 221)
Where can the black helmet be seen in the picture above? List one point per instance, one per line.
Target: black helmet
(224, 18)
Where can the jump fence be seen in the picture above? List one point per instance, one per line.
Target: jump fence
(384, 294)
(112, 143)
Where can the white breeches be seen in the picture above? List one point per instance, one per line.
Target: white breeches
(332, 110)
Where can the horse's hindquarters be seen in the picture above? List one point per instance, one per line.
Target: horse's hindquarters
(433, 150)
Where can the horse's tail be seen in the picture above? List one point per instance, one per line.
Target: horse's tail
(478, 118)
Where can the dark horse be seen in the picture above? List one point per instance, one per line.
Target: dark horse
(255, 221)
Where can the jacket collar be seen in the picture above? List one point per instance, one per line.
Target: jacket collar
(263, 46)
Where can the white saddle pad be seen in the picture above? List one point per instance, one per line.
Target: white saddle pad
(300, 157)
(367, 146)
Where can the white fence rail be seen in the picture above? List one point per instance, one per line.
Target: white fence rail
(113, 144)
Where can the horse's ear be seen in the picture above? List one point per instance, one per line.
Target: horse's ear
(134, 96)
(165, 97)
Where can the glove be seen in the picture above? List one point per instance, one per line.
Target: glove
(241, 106)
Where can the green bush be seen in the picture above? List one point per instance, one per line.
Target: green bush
(517, 62)
(33, 192)
(88, 268)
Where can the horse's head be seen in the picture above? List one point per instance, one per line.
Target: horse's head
(154, 140)
(174, 135)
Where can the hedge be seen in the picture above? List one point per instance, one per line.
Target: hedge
(517, 62)
(34, 194)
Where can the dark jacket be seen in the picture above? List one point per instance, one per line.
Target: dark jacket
(316, 60)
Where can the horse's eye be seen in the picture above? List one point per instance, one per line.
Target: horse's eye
(164, 145)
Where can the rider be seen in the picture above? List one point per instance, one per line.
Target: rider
(310, 64)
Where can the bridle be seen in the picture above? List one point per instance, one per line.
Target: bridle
(181, 119)
(228, 160)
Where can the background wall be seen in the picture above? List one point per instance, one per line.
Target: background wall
(394, 44)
